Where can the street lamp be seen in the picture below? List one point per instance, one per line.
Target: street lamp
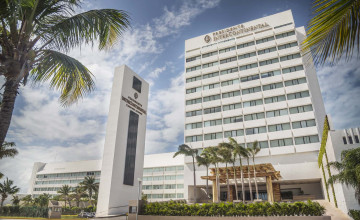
(138, 197)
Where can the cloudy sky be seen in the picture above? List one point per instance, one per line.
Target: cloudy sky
(154, 48)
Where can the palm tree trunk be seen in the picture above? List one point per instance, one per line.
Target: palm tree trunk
(250, 188)
(195, 197)
(207, 182)
(227, 183)
(218, 183)
(236, 190)
(65, 203)
(256, 186)
(7, 108)
(242, 182)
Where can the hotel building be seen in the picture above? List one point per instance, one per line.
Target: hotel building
(252, 82)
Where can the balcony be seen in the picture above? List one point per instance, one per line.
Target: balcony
(275, 105)
(209, 59)
(285, 40)
(280, 134)
(278, 119)
(307, 147)
(253, 109)
(227, 54)
(263, 34)
(193, 63)
(210, 69)
(270, 67)
(193, 119)
(193, 84)
(266, 45)
(282, 150)
(192, 53)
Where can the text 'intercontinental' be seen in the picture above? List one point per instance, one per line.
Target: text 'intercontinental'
(237, 30)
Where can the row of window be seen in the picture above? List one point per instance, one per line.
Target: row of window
(61, 182)
(233, 70)
(45, 189)
(165, 196)
(167, 177)
(162, 169)
(247, 66)
(166, 186)
(349, 140)
(60, 175)
(243, 45)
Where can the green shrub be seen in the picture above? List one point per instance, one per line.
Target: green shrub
(24, 211)
(355, 214)
(173, 208)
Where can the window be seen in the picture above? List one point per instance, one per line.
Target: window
(193, 101)
(230, 94)
(304, 124)
(231, 70)
(254, 116)
(270, 74)
(192, 58)
(170, 196)
(193, 90)
(159, 169)
(212, 110)
(137, 84)
(210, 75)
(180, 195)
(211, 86)
(179, 168)
(253, 103)
(279, 36)
(226, 49)
(209, 54)
(245, 44)
(292, 69)
(251, 90)
(290, 57)
(190, 69)
(170, 177)
(156, 196)
(298, 95)
(194, 138)
(275, 99)
(158, 186)
(249, 78)
(283, 25)
(265, 40)
(300, 109)
(170, 186)
(234, 133)
(193, 79)
(285, 46)
(344, 140)
(281, 142)
(295, 81)
(155, 178)
(213, 136)
(147, 170)
(267, 50)
(233, 119)
(193, 125)
(306, 139)
(248, 66)
(273, 86)
(268, 62)
(212, 123)
(228, 60)
(193, 113)
(259, 130)
(279, 127)
(350, 140)
(356, 139)
(261, 144)
(180, 186)
(171, 168)
(211, 98)
(246, 55)
(206, 65)
(231, 106)
(275, 113)
(230, 82)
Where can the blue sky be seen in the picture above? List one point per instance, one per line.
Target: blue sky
(154, 48)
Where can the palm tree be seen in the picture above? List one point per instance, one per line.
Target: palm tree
(334, 30)
(90, 185)
(348, 170)
(239, 151)
(42, 200)
(225, 152)
(188, 151)
(204, 160)
(28, 200)
(215, 160)
(247, 156)
(253, 150)
(15, 200)
(6, 189)
(77, 194)
(64, 192)
(34, 35)
(7, 150)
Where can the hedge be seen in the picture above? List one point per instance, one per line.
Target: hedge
(355, 214)
(230, 209)
(24, 211)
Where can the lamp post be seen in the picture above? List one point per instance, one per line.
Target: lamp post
(138, 198)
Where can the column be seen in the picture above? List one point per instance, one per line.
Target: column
(214, 191)
(269, 189)
(232, 193)
(276, 189)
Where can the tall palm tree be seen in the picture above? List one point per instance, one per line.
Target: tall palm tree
(204, 160)
(215, 160)
(348, 170)
(64, 192)
(239, 151)
(6, 189)
(188, 151)
(42, 200)
(90, 185)
(334, 30)
(253, 150)
(77, 193)
(28, 200)
(36, 34)
(7, 150)
(225, 152)
(15, 200)
(247, 157)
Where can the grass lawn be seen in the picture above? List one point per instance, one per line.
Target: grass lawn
(69, 217)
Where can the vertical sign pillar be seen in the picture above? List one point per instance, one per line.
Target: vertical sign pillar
(123, 157)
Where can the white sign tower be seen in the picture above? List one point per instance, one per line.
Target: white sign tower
(123, 158)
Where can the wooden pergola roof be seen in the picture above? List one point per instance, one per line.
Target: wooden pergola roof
(262, 170)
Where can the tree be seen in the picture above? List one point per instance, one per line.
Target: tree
(64, 192)
(7, 150)
(241, 152)
(204, 160)
(225, 152)
(28, 200)
(188, 151)
(247, 157)
(78, 193)
(215, 160)
(42, 200)
(90, 185)
(334, 30)
(6, 189)
(35, 37)
(15, 200)
(348, 168)
(253, 150)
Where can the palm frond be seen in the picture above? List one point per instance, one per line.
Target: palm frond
(66, 74)
(7, 150)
